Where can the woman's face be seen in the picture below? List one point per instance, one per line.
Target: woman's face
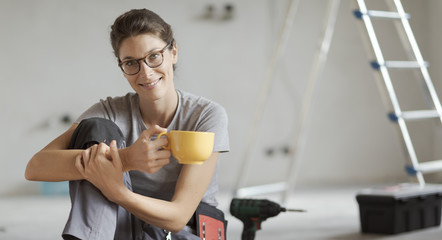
(149, 83)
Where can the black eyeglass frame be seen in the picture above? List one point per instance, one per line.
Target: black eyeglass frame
(120, 64)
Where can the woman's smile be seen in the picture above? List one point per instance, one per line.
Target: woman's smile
(150, 85)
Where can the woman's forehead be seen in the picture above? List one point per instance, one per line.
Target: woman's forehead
(140, 45)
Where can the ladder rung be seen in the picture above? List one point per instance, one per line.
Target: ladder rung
(429, 167)
(398, 64)
(261, 189)
(380, 14)
(414, 115)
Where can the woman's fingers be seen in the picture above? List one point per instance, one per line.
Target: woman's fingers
(92, 154)
(86, 154)
(163, 154)
(84, 157)
(159, 143)
(144, 154)
(114, 154)
(156, 164)
(102, 150)
(79, 163)
(151, 132)
(155, 129)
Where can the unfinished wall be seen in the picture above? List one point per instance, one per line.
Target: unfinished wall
(56, 61)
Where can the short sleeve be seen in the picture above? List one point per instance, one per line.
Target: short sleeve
(214, 119)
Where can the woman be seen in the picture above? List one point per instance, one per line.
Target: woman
(133, 189)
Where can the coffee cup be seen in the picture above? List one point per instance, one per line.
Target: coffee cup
(189, 147)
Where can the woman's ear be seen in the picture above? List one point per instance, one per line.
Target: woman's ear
(174, 53)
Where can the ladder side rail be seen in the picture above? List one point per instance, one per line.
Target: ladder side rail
(298, 145)
(388, 86)
(280, 46)
(410, 45)
(401, 30)
(409, 51)
(411, 151)
(370, 55)
(379, 57)
(390, 89)
(419, 59)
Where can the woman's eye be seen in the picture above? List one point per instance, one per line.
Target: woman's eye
(154, 56)
(130, 63)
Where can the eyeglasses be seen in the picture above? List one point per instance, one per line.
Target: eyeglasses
(153, 60)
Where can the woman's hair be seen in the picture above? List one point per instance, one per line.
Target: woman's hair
(138, 21)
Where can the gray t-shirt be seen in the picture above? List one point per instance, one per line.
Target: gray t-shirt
(194, 113)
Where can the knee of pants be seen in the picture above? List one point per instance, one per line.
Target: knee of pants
(95, 130)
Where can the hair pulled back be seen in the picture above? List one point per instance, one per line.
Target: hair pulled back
(136, 22)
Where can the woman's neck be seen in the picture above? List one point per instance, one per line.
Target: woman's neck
(159, 112)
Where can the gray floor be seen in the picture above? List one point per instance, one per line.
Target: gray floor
(332, 213)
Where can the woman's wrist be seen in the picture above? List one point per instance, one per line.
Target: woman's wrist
(124, 156)
(119, 194)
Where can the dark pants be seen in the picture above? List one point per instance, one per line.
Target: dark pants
(92, 216)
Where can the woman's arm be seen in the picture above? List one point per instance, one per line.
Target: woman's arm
(54, 162)
(173, 215)
(192, 183)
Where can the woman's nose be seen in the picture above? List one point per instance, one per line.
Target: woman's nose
(145, 69)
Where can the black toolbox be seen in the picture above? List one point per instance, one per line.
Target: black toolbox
(399, 208)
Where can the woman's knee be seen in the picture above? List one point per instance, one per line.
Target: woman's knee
(95, 130)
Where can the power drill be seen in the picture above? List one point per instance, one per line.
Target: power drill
(254, 211)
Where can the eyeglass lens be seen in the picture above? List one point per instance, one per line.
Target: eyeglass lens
(152, 60)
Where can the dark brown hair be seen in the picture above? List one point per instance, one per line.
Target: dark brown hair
(139, 21)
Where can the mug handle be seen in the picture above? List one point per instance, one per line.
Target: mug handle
(164, 134)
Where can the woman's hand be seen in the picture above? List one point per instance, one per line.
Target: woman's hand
(147, 155)
(101, 165)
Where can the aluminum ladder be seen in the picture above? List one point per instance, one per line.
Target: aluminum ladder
(296, 148)
(414, 167)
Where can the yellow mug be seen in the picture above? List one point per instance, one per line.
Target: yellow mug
(189, 147)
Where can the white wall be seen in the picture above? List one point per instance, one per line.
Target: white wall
(56, 60)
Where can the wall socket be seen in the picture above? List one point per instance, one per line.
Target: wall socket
(271, 151)
(218, 13)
